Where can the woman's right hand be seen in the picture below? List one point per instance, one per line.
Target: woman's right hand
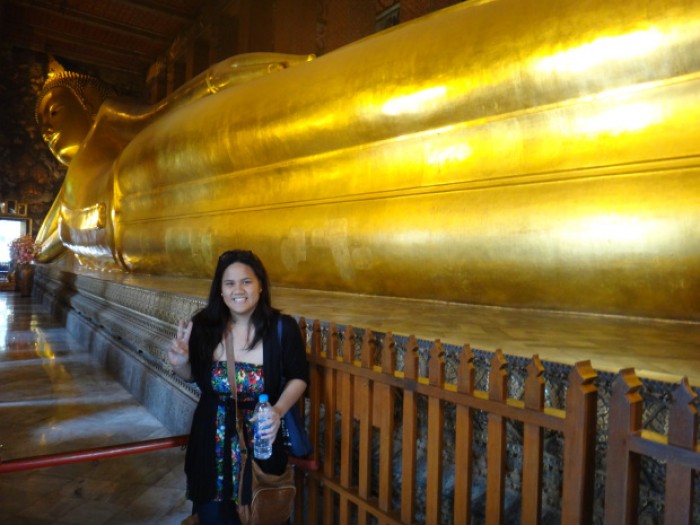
(179, 352)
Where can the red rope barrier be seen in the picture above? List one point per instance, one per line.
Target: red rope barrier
(54, 460)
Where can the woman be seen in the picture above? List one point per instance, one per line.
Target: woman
(238, 308)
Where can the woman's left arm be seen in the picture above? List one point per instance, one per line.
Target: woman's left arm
(293, 390)
(296, 371)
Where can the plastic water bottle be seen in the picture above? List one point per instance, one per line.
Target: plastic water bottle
(262, 448)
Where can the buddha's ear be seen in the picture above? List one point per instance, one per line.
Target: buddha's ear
(93, 99)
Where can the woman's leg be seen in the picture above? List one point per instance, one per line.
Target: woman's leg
(212, 513)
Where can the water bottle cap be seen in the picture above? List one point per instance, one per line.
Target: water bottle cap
(263, 398)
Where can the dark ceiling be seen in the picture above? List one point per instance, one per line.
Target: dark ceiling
(125, 36)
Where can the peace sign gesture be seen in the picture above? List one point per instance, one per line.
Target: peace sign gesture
(179, 352)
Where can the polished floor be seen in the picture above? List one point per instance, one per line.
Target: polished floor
(55, 398)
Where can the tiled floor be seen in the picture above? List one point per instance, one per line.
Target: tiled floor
(53, 398)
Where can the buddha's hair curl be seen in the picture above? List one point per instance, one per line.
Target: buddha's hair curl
(78, 84)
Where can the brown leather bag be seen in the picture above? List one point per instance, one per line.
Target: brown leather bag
(272, 498)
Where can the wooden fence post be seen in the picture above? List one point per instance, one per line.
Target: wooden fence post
(683, 433)
(464, 436)
(496, 445)
(532, 446)
(385, 399)
(347, 398)
(329, 438)
(364, 401)
(410, 432)
(579, 445)
(622, 479)
(435, 445)
(315, 392)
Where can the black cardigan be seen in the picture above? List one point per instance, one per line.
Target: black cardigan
(200, 459)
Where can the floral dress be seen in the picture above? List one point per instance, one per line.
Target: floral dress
(249, 383)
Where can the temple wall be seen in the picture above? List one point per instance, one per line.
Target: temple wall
(284, 26)
(30, 174)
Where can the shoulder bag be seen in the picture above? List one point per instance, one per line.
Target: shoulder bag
(263, 499)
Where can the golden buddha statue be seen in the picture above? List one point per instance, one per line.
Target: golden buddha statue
(87, 128)
(525, 154)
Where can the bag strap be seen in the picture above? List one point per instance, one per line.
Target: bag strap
(279, 340)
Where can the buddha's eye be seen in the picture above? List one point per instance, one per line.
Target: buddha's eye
(54, 110)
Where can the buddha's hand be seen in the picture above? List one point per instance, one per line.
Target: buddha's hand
(179, 352)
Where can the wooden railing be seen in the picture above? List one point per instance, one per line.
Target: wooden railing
(353, 402)
(628, 442)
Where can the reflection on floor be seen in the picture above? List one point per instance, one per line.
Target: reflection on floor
(53, 398)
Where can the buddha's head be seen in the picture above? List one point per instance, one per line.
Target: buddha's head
(66, 109)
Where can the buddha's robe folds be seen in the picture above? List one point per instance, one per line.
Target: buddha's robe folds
(538, 154)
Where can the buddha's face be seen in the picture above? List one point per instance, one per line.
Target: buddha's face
(64, 123)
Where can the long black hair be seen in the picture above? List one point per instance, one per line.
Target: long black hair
(213, 319)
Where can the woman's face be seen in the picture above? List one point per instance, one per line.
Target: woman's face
(64, 123)
(240, 289)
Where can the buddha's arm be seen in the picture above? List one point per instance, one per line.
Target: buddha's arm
(232, 71)
(51, 246)
(123, 119)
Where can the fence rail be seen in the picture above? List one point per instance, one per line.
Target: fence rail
(627, 443)
(364, 421)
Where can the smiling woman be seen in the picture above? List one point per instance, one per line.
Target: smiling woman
(241, 290)
(238, 315)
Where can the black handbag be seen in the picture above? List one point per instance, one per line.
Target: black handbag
(294, 435)
(296, 440)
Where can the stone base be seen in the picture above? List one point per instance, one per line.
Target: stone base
(127, 329)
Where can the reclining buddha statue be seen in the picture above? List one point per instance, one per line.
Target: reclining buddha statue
(528, 154)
